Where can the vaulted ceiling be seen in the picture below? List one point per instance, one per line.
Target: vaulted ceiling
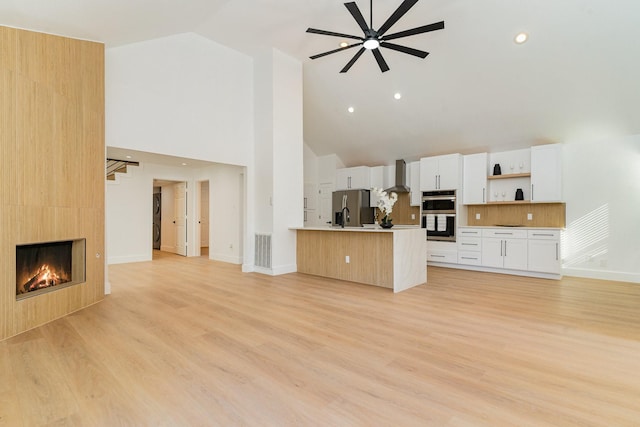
(575, 78)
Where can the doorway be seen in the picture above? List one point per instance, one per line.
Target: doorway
(203, 231)
(173, 202)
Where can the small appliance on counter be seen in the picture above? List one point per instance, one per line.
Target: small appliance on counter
(496, 169)
(519, 194)
(351, 208)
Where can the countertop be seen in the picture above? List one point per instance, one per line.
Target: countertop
(367, 229)
(510, 227)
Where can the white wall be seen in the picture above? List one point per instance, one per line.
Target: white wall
(129, 211)
(182, 95)
(226, 212)
(278, 156)
(288, 175)
(601, 187)
(128, 217)
(310, 162)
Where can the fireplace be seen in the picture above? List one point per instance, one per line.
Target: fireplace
(48, 266)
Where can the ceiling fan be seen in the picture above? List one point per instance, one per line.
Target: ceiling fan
(373, 40)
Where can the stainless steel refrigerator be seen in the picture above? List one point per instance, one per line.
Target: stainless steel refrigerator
(352, 206)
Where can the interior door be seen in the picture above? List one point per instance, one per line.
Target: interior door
(204, 214)
(157, 219)
(180, 218)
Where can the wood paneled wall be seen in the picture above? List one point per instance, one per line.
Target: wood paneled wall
(403, 210)
(544, 214)
(323, 253)
(52, 172)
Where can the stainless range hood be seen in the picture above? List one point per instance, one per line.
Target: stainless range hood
(401, 178)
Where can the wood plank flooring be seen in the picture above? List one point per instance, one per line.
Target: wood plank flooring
(188, 341)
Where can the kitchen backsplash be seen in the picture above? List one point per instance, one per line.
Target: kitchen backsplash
(542, 214)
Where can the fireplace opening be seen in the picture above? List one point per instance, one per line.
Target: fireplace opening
(47, 266)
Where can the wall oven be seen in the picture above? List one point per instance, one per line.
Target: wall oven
(439, 215)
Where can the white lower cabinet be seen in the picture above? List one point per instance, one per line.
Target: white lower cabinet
(522, 251)
(470, 249)
(446, 252)
(504, 248)
(544, 251)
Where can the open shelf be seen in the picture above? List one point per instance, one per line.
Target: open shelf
(512, 175)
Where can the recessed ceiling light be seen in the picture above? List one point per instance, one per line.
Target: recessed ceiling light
(350, 109)
(397, 95)
(184, 164)
(128, 157)
(344, 44)
(521, 38)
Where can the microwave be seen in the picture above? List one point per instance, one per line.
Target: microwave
(439, 202)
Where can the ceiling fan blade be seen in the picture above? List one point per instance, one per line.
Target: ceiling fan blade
(405, 49)
(400, 11)
(381, 62)
(331, 33)
(417, 30)
(320, 55)
(353, 60)
(355, 12)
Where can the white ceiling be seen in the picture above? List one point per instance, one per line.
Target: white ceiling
(576, 77)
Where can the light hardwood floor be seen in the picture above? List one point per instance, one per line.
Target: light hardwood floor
(188, 341)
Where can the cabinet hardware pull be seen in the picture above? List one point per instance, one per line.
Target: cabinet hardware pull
(505, 248)
(469, 244)
(543, 234)
(483, 191)
(556, 252)
(500, 232)
(501, 241)
(532, 192)
(437, 256)
(467, 257)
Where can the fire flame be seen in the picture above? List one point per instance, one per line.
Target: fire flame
(43, 278)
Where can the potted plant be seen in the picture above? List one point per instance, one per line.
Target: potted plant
(385, 204)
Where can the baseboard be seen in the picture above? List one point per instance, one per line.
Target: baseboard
(616, 276)
(496, 270)
(226, 258)
(284, 269)
(127, 259)
(274, 271)
(107, 288)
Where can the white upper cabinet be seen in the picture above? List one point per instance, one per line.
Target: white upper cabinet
(474, 179)
(440, 172)
(356, 178)
(310, 196)
(415, 195)
(376, 180)
(546, 173)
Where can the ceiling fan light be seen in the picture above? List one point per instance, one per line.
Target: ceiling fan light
(371, 44)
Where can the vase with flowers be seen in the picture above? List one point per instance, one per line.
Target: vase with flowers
(385, 204)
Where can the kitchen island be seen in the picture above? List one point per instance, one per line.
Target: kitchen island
(393, 258)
